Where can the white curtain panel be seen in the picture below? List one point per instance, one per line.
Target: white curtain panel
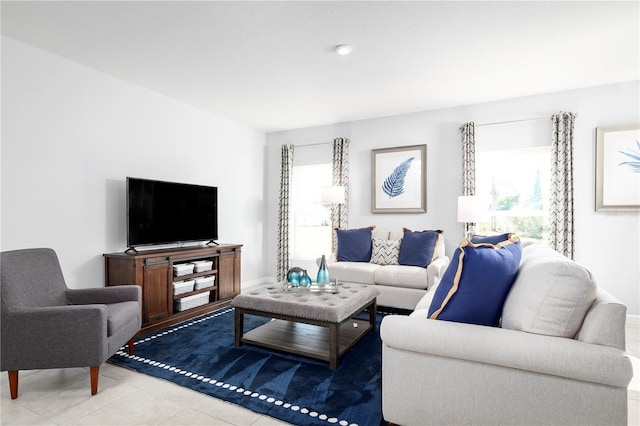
(468, 132)
(340, 212)
(284, 246)
(561, 208)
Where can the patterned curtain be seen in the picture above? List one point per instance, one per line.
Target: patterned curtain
(286, 176)
(468, 131)
(561, 209)
(340, 212)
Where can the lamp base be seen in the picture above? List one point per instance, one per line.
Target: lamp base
(471, 231)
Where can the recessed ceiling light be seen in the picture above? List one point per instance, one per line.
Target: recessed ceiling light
(343, 49)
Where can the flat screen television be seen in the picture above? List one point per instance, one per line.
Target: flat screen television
(161, 212)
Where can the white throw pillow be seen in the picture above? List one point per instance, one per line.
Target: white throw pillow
(551, 294)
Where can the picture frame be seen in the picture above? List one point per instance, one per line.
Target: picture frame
(618, 168)
(399, 179)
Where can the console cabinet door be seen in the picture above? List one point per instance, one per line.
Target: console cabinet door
(229, 274)
(156, 297)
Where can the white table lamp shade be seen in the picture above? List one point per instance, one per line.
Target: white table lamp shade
(470, 209)
(332, 194)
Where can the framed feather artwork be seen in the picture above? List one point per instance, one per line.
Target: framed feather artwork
(618, 168)
(399, 179)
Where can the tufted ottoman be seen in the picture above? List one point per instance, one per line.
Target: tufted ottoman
(314, 324)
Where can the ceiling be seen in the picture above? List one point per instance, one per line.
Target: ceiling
(271, 65)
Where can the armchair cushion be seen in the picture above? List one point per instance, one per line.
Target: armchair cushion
(121, 314)
(476, 283)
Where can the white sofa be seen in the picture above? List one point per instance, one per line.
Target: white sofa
(400, 286)
(558, 357)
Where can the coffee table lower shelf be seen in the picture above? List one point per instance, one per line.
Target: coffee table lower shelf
(321, 340)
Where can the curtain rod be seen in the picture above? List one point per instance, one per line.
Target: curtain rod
(516, 121)
(313, 144)
(513, 121)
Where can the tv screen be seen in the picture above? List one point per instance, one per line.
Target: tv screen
(169, 212)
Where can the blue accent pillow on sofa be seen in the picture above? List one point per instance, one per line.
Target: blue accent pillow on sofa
(354, 245)
(476, 284)
(417, 248)
(491, 239)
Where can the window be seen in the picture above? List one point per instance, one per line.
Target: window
(513, 172)
(310, 218)
(515, 183)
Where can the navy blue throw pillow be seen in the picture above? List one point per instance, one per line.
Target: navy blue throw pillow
(417, 248)
(491, 239)
(354, 245)
(476, 284)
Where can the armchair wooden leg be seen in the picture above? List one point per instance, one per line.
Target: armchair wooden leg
(13, 383)
(94, 379)
(131, 346)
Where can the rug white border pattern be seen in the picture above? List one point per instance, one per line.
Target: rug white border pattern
(231, 388)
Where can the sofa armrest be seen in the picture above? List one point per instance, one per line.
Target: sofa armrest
(435, 270)
(104, 295)
(508, 348)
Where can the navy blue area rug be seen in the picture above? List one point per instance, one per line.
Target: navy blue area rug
(199, 354)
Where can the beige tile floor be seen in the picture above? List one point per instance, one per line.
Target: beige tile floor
(62, 397)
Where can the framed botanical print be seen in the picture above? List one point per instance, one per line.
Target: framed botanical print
(618, 168)
(398, 179)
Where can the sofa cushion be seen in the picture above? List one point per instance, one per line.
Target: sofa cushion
(401, 276)
(354, 245)
(417, 248)
(551, 294)
(385, 252)
(476, 283)
(355, 272)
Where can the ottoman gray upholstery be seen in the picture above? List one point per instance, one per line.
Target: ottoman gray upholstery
(330, 307)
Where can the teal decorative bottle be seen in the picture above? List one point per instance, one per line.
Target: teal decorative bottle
(293, 276)
(323, 273)
(305, 280)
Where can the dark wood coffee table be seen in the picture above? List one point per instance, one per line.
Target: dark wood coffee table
(317, 325)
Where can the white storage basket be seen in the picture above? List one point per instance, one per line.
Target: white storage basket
(180, 287)
(182, 269)
(203, 265)
(190, 302)
(205, 282)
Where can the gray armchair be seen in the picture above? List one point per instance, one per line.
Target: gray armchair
(47, 325)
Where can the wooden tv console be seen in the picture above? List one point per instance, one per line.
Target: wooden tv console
(153, 271)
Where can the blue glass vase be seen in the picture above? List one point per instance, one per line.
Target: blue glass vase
(305, 280)
(323, 273)
(293, 276)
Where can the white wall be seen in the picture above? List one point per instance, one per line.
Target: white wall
(608, 243)
(70, 136)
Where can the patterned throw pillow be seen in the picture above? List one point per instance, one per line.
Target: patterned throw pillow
(385, 252)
